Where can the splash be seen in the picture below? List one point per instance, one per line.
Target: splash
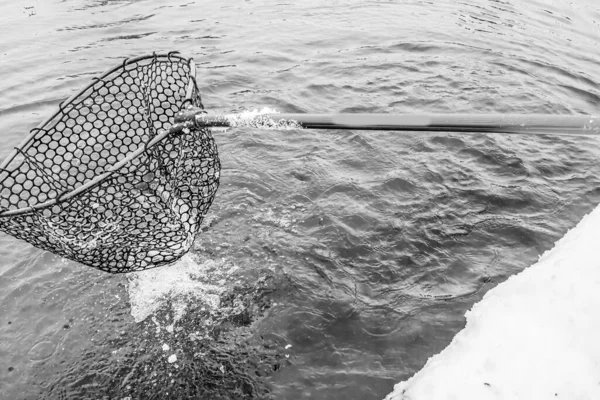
(262, 119)
(187, 281)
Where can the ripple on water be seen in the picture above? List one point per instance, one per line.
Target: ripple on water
(42, 350)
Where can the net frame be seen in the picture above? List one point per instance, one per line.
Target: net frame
(144, 94)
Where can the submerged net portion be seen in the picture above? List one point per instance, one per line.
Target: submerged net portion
(103, 182)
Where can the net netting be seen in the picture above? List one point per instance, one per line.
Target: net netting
(103, 181)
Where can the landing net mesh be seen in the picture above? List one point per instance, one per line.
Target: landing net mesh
(103, 182)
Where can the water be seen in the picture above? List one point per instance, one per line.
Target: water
(333, 263)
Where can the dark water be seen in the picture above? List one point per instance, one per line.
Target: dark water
(361, 250)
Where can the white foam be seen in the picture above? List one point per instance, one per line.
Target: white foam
(259, 119)
(534, 336)
(186, 281)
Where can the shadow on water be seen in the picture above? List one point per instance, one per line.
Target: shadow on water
(227, 360)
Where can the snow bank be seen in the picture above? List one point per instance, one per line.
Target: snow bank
(535, 336)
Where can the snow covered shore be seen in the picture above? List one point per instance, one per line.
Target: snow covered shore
(535, 336)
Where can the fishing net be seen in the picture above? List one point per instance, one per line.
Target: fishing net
(104, 181)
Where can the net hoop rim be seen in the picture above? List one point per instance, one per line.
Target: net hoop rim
(63, 109)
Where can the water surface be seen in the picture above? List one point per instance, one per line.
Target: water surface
(333, 263)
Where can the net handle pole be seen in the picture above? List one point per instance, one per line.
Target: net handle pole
(501, 123)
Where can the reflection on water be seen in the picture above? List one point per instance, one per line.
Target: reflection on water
(332, 264)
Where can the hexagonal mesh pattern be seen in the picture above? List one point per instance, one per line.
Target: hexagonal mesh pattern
(103, 182)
